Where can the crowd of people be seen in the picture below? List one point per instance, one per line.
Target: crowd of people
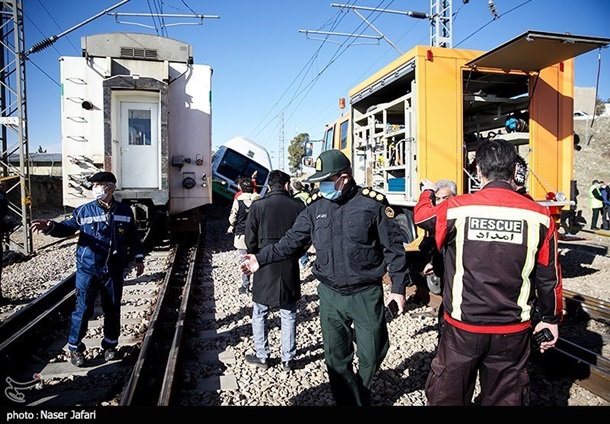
(492, 313)
(489, 313)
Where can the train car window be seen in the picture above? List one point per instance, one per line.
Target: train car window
(139, 128)
(343, 134)
(328, 138)
(234, 165)
(261, 174)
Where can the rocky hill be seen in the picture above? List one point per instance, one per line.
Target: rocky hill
(593, 160)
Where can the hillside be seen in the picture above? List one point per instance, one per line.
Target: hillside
(593, 160)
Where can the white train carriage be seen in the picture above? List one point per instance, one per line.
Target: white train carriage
(137, 105)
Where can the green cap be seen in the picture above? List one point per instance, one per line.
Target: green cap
(329, 163)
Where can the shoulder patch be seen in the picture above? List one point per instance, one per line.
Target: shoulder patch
(369, 192)
(389, 212)
(313, 198)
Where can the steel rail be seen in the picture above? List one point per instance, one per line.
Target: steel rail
(590, 369)
(28, 317)
(175, 353)
(596, 309)
(152, 377)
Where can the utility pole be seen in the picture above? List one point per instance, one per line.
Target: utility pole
(13, 119)
(441, 24)
(440, 17)
(13, 132)
(280, 159)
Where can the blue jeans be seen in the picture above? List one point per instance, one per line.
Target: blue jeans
(288, 319)
(245, 279)
(111, 291)
(304, 260)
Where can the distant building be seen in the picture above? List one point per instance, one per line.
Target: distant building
(44, 164)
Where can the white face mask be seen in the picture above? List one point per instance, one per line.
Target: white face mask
(99, 192)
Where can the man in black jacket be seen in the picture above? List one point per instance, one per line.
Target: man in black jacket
(279, 284)
(356, 240)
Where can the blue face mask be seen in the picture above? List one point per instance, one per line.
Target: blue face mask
(327, 190)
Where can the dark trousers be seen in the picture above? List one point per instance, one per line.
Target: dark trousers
(110, 288)
(568, 219)
(366, 311)
(594, 215)
(499, 359)
(606, 218)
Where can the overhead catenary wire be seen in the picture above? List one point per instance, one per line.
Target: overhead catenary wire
(308, 87)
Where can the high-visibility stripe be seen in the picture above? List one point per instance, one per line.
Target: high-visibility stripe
(102, 218)
(92, 219)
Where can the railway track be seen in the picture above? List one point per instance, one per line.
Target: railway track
(168, 358)
(33, 352)
(580, 354)
(153, 379)
(583, 354)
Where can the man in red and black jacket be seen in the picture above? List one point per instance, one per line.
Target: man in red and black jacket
(502, 277)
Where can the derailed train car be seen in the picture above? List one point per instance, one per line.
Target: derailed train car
(137, 105)
(239, 157)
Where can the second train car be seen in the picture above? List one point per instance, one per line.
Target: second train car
(239, 157)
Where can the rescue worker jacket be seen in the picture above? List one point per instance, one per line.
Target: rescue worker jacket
(596, 200)
(500, 257)
(107, 240)
(356, 240)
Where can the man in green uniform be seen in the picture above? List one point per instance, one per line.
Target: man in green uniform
(356, 240)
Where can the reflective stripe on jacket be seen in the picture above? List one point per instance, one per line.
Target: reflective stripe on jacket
(107, 238)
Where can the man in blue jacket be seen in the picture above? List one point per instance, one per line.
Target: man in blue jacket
(108, 239)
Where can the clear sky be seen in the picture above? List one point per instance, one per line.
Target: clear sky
(264, 68)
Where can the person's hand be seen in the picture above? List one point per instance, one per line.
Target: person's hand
(249, 264)
(400, 301)
(230, 229)
(426, 184)
(254, 174)
(554, 331)
(40, 225)
(428, 269)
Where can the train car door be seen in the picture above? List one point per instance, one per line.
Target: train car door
(139, 159)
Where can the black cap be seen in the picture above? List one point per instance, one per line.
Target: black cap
(329, 163)
(102, 177)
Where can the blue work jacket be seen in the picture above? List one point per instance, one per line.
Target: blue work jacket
(108, 238)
